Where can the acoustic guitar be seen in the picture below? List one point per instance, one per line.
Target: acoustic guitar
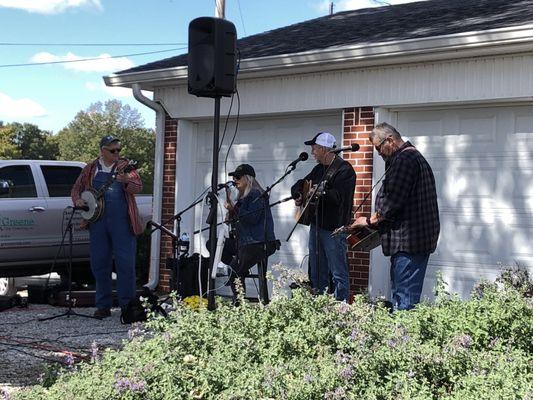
(306, 211)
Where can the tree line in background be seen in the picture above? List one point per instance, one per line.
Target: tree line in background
(78, 141)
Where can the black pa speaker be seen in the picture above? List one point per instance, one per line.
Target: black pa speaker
(212, 57)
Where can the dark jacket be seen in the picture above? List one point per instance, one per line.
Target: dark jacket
(407, 204)
(335, 206)
(250, 224)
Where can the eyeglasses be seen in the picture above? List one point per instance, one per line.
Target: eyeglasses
(113, 151)
(378, 146)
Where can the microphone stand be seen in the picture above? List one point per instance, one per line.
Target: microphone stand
(176, 257)
(317, 236)
(68, 297)
(263, 265)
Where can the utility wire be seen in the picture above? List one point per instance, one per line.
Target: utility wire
(242, 19)
(89, 59)
(91, 44)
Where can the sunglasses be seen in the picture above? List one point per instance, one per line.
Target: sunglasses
(113, 151)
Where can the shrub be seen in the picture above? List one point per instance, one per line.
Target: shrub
(310, 347)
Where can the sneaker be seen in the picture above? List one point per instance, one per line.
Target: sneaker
(102, 313)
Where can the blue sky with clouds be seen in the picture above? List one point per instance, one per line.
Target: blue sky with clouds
(51, 95)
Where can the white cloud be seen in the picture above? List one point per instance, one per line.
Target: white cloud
(104, 63)
(50, 6)
(344, 5)
(11, 109)
(113, 91)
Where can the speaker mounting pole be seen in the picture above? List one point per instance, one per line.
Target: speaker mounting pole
(212, 72)
(213, 206)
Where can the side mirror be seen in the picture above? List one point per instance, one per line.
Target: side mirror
(5, 188)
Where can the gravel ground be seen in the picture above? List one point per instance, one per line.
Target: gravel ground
(27, 344)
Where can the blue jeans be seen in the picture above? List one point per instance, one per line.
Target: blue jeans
(332, 259)
(407, 276)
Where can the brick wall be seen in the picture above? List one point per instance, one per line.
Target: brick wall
(169, 177)
(358, 122)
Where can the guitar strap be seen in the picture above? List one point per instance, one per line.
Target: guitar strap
(332, 169)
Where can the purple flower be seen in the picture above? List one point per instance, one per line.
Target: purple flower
(94, 352)
(69, 359)
(125, 384)
(347, 372)
(464, 340)
(338, 394)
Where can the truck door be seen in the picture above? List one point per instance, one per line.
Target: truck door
(59, 180)
(23, 231)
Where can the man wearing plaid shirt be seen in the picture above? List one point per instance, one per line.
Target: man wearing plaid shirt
(407, 214)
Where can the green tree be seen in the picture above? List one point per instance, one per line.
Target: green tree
(27, 141)
(79, 140)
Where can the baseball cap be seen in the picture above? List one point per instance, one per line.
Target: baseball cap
(107, 140)
(243, 169)
(325, 139)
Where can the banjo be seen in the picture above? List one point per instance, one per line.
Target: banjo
(94, 199)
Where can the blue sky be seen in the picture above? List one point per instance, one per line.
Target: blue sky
(51, 95)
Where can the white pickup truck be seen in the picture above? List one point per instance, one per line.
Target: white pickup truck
(34, 196)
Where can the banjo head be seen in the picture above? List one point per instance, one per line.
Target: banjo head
(92, 202)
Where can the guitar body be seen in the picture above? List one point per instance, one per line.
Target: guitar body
(306, 212)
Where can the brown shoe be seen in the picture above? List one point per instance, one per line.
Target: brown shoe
(102, 313)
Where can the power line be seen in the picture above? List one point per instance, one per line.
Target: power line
(242, 19)
(91, 44)
(89, 59)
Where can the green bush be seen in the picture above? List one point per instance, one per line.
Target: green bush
(316, 348)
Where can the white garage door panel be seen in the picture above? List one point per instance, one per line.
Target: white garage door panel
(269, 145)
(483, 164)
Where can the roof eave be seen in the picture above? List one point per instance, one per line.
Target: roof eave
(469, 44)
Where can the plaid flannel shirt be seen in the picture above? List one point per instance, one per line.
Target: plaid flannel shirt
(133, 186)
(407, 204)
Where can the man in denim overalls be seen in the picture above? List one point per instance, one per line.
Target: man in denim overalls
(112, 236)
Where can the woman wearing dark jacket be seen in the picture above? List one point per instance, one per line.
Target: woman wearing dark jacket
(252, 223)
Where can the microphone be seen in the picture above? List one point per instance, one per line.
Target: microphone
(302, 157)
(225, 185)
(352, 147)
(80, 208)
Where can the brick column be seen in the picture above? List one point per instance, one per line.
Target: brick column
(169, 187)
(358, 122)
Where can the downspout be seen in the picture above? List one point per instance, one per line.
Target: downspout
(153, 277)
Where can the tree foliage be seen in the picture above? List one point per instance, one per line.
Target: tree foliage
(27, 141)
(79, 140)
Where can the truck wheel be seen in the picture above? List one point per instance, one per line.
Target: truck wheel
(7, 287)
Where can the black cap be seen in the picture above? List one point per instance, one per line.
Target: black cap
(107, 140)
(243, 169)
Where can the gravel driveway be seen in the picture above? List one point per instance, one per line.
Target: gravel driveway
(27, 344)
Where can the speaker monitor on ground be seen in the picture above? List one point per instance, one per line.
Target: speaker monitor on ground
(212, 58)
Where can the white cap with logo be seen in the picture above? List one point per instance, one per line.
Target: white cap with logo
(325, 139)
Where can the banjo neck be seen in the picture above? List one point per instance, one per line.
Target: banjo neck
(127, 167)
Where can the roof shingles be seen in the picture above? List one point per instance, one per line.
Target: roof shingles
(373, 25)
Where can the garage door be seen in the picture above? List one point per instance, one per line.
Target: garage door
(269, 145)
(483, 164)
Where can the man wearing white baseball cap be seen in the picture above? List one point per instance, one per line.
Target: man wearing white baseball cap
(329, 209)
